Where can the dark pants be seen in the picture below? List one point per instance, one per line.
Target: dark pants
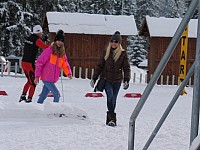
(111, 93)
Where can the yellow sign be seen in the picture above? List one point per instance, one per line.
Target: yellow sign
(183, 58)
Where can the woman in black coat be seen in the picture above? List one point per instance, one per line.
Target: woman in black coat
(114, 68)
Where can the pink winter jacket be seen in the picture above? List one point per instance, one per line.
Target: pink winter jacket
(48, 66)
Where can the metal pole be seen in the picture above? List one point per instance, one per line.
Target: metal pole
(170, 106)
(196, 93)
(158, 72)
(62, 89)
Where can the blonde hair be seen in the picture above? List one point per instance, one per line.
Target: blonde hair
(116, 54)
(56, 51)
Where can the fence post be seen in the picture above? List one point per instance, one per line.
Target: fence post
(80, 72)
(190, 81)
(167, 83)
(2, 69)
(134, 76)
(86, 73)
(92, 73)
(140, 78)
(161, 80)
(9, 66)
(74, 71)
(145, 81)
(16, 69)
(173, 78)
(22, 72)
(178, 80)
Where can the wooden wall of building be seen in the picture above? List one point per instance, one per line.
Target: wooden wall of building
(157, 47)
(84, 50)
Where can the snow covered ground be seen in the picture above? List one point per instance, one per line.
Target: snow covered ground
(33, 127)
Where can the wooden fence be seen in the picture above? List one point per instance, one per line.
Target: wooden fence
(135, 77)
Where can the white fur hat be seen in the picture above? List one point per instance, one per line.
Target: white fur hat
(37, 29)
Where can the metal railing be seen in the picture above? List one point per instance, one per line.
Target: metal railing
(169, 51)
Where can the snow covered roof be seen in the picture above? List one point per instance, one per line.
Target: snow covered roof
(83, 23)
(166, 27)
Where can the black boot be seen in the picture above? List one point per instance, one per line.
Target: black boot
(29, 100)
(22, 98)
(111, 119)
(108, 119)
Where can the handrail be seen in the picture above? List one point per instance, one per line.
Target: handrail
(195, 102)
(170, 106)
(158, 72)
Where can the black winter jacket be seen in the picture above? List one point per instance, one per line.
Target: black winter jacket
(113, 71)
(30, 49)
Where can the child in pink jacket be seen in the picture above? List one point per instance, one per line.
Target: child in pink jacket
(48, 67)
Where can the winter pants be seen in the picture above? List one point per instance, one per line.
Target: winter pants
(29, 69)
(49, 86)
(111, 93)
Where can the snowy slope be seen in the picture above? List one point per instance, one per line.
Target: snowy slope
(32, 127)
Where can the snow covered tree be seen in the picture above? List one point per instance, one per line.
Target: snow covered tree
(187, 4)
(18, 16)
(102, 7)
(180, 7)
(154, 8)
(68, 6)
(17, 19)
(14, 27)
(158, 8)
(124, 7)
(137, 46)
(136, 50)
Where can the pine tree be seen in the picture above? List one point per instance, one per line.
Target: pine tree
(18, 17)
(137, 50)
(181, 7)
(14, 27)
(125, 7)
(102, 7)
(66, 6)
(187, 4)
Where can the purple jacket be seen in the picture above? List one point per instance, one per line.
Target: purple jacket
(48, 66)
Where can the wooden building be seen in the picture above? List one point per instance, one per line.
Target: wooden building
(86, 35)
(160, 32)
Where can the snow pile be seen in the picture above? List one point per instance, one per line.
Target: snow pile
(34, 110)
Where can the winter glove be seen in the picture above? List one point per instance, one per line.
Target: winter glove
(126, 85)
(92, 83)
(36, 81)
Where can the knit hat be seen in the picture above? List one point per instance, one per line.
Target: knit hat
(59, 36)
(116, 37)
(37, 29)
